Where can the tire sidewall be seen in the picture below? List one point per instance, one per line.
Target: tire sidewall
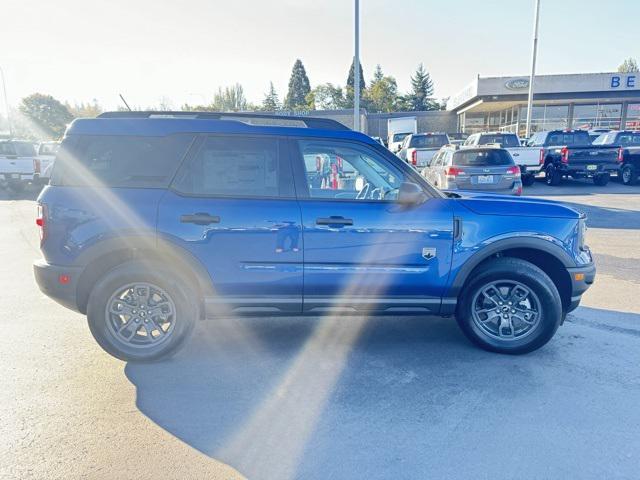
(539, 283)
(186, 310)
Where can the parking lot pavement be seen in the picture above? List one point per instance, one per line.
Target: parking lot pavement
(339, 398)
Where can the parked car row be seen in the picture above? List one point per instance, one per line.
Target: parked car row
(558, 154)
(23, 163)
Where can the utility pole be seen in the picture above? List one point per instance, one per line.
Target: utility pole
(533, 67)
(6, 102)
(356, 71)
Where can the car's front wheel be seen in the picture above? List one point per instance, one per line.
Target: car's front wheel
(139, 312)
(509, 306)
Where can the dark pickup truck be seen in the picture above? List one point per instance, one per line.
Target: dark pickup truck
(569, 153)
(628, 144)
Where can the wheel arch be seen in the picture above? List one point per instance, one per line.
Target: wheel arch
(549, 257)
(114, 252)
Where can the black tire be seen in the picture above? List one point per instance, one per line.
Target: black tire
(187, 310)
(511, 269)
(528, 179)
(552, 176)
(629, 175)
(601, 179)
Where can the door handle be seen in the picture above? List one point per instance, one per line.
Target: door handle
(337, 221)
(200, 218)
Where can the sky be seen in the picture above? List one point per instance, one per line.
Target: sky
(172, 52)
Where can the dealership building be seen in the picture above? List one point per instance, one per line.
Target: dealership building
(585, 101)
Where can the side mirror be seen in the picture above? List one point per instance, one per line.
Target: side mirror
(411, 194)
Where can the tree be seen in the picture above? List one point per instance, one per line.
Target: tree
(271, 103)
(230, 99)
(84, 110)
(350, 83)
(382, 94)
(299, 88)
(46, 117)
(328, 97)
(628, 66)
(420, 98)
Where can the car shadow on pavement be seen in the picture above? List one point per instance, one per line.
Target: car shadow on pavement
(608, 217)
(327, 397)
(29, 193)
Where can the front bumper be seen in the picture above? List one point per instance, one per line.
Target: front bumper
(48, 278)
(581, 279)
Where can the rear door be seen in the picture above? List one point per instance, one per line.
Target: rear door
(232, 206)
(363, 252)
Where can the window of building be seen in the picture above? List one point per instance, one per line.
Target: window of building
(633, 117)
(605, 115)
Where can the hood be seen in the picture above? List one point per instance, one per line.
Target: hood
(494, 204)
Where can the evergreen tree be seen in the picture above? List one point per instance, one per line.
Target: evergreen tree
(377, 74)
(351, 80)
(629, 66)
(299, 88)
(420, 98)
(271, 103)
(382, 94)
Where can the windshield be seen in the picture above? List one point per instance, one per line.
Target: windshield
(506, 140)
(398, 137)
(49, 148)
(482, 158)
(428, 141)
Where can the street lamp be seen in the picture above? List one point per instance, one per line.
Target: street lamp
(6, 102)
(533, 67)
(356, 70)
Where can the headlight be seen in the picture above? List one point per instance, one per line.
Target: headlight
(582, 233)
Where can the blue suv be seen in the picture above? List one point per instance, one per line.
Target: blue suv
(153, 221)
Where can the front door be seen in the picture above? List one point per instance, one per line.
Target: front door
(232, 206)
(363, 252)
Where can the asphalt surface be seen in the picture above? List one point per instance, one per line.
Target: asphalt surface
(330, 397)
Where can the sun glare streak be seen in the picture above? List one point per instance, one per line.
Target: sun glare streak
(271, 443)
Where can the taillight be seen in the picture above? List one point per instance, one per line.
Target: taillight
(620, 155)
(36, 165)
(453, 171)
(515, 170)
(414, 158)
(41, 221)
(541, 161)
(564, 155)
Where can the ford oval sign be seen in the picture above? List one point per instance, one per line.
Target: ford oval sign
(517, 84)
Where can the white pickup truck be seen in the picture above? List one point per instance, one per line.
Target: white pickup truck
(46, 155)
(527, 158)
(18, 164)
(419, 148)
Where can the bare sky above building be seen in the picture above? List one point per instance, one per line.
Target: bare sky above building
(173, 52)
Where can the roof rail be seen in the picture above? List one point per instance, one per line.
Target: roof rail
(309, 122)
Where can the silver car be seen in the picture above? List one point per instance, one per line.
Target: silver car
(486, 169)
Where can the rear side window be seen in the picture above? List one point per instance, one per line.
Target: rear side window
(119, 161)
(503, 139)
(628, 139)
(480, 158)
(236, 166)
(428, 141)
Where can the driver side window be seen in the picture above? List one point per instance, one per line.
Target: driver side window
(348, 171)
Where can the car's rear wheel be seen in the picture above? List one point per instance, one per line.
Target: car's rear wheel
(552, 176)
(509, 306)
(629, 175)
(140, 312)
(601, 179)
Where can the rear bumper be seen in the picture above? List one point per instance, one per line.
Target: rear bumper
(583, 170)
(581, 279)
(16, 177)
(48, 279)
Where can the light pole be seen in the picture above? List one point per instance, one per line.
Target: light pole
(533, 67)
(356, 70)
(6, 102)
